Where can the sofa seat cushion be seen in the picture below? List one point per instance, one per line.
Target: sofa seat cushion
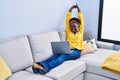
(25, 75)
(66, 71)
(41, 44)
(89, 76)
(16, 53)
(79, 77)
(95, 60)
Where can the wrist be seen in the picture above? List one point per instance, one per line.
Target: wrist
(70, 10)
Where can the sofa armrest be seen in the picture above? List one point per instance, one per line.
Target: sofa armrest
(105, 45)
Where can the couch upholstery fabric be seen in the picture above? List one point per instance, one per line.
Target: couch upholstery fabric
(16, 53)
(41, 44)
(89, 76)
(94, 65)
(25, 75)
(68, 70)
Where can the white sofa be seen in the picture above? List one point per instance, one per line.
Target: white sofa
(20, 52)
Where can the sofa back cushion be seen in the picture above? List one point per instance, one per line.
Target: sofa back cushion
(16, 53)
(62, 35)
(41, 44)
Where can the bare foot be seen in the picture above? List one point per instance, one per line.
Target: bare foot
(38, 67)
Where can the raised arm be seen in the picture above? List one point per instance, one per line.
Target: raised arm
(80, 16)
(68, 17)
(72, 7)
(78, 8)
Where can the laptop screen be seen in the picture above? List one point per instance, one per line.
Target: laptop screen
(61, 47)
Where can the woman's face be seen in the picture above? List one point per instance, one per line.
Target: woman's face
(74, 26)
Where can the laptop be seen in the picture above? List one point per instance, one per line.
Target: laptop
(61, 47)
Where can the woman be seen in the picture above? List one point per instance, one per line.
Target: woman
(74, 35)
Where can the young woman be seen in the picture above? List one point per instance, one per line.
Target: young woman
(74, 35)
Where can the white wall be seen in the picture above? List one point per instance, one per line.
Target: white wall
(19, 17)
(90, 9)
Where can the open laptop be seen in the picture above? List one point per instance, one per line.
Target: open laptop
(61, 47)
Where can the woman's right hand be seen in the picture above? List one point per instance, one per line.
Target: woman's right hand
(72, 7)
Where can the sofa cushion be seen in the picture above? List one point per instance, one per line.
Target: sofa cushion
(62, 35)
(87, 35)
(89, 76)
(66, 71)
(95, 60)
(25, 75)
(79, 77)
(16, 53)
(105, 45)
(41, 44)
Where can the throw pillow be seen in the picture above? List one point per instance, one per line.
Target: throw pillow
(4, 70)
(87, 49)
(93, 44)
(87, 35)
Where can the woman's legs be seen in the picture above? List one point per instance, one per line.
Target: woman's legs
(54, 63)
(60, 59)
(54, 56)
(74, 55)
(56, 60)
(38, 68)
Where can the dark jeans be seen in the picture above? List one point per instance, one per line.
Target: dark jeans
(57, 59)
